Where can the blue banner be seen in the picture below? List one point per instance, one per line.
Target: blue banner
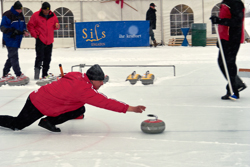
(112, 34)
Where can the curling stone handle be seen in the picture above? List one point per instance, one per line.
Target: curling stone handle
(151, 115)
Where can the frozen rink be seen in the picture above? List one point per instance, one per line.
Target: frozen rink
(201, 129)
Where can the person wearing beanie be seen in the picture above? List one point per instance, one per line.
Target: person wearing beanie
(41, 26)
(151, 16)
(46, 6)
(13, 27)
(95, 73)
(17, 5)
(64, 99)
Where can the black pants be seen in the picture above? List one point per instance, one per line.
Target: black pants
(30, 114)
(12, 61)
(43, 56)
(230, 53)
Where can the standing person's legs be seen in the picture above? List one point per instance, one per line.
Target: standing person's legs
(39, 57)
(230, 58)
(151, 33)
(240, 84)
(12, 61)
(47, 59)
(232, 70)
(26, 117)
(7, 67)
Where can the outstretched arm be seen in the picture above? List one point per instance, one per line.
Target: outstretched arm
(137, 109)
(92, 97)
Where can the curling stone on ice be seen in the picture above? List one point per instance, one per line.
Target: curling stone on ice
(153, 126)
(147, 78)
(133, 78)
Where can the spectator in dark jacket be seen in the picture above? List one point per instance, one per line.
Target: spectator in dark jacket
(41, 26)
(151, 16)
(64, 99)
(231, 32)
(13, 28)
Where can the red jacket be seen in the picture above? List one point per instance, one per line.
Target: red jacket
(232, 17)
(70, 93)
(224, 30)
(40, 26)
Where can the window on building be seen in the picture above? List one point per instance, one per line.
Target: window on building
(181, 16)
(215, 12)
(66, 21)
(27, 14)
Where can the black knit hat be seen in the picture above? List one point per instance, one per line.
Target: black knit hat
(95, 73)
(17, 5)
(152, 4)
(46, 5)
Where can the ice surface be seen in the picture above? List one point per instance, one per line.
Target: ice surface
(201, 129)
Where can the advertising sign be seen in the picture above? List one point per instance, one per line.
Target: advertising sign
(112, 34)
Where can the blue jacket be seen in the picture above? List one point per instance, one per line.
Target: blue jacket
(12, 21)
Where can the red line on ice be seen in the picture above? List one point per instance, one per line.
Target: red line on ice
(13, 99)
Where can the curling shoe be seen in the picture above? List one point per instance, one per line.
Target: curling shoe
(47, 79)
(47, 125)
(228, 97)
(225, 97)
(234, 97)
(21, 80)
(6, 78)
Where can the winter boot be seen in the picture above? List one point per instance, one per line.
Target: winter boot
(47, 125)
(37, 73)
(155, 43)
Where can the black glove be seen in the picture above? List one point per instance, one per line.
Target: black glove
(215, 19)
(16, 32)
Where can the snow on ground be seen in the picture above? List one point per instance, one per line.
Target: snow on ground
(201, 129)
(247, 24)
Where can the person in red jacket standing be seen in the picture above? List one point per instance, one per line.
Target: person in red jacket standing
(64, 99)
(231, 32)
(41, 26)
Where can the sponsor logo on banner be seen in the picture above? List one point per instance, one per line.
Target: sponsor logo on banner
(91, 35)
(132, 33)
(112, 34)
